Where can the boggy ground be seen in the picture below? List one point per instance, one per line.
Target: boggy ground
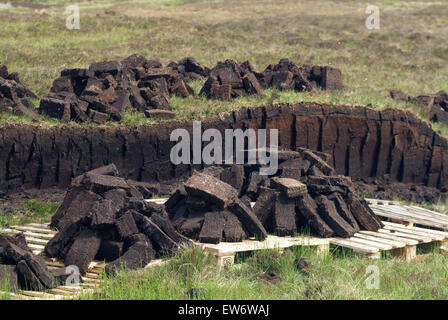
(407, 53)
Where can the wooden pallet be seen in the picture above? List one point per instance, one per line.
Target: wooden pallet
(400, 240)
(225, 251)
(408, 215)
(37, 236)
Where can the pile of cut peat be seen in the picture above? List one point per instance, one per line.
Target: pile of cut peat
(107, 89)
(209, 210)
(20, 268)
(189, 68)
(434, 105)
(231, 80)
(286, 75)
(14, 95)
(105, 217)
(215, 205)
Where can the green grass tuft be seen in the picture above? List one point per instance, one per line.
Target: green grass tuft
(31, 211)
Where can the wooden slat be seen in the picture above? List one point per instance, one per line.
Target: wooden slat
(97, 264)
(69, 289)
(271, 242)
(417, 213)
(40, 225)
(371, 243)
(397, 212)
(88, 279)
(47, 237)
(54, 262)
(397, 217)
(431, 222)
(158, 201)
(391, 237)
(62, 292)
(418, 229)
(34, 229)
(36, 246)
(95, 270)
(407, 235)
(36, 241)
(357, 247)
(16, 296)
(429, 231)
(91, 275)
(42, 236)
(419, 209)
(393, 243)
(433, 237)
(42, 295)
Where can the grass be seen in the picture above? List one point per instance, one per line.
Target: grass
(5, 286)
(30, 211)
(192, 274)
(407, 53)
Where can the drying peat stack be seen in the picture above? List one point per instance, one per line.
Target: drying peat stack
(14, 96)
(305, 193)
(286, 75)
(20, 267)
(231, 80)
(434, 105)
(209, 210)
(105, 217)
(106, 89)
(189, 68)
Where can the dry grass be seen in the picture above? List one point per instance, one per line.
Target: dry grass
(409, 52)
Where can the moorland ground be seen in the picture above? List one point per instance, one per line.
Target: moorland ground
(408, 53)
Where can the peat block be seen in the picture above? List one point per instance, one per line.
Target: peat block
(103, 216)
